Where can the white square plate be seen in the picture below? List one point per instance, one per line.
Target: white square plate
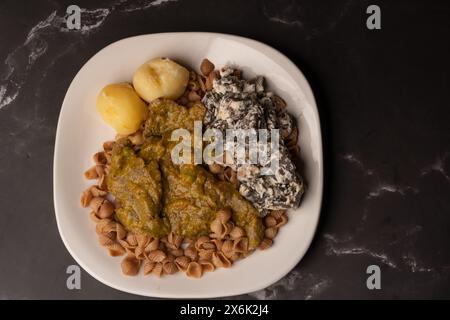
(81, 133)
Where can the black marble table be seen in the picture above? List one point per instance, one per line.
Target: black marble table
(383, 98)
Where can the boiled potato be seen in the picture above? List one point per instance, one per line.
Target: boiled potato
(121, 108)
(160, 78)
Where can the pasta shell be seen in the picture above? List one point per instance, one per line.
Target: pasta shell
(270, 232)
(240, 245)
(224, 215)
(131, 239)
(130, 266)
(100, 170)
(91, 173)
(106, 210)
(200, 241)
(210, 80)
(175, 240)
(228, 227)
(170, 246)
(102, 183)
(290, 141)
(218, 243)
(228, 254)
(182, 262)
(207, 266)
(192, 75)
(105, 226)
(279, 103)
(116, 250)
(142, 240)
(139, 253)
(108, 157)
(277, 213)
(293, 136)
(148, 267)
(281, 221)
(157, 270)
(230, 175)
(169, 258)
(111, 235)
(156, 256)
(120, 231)
(234, 256)
(191, 253)
(266, 243)
(100, 225)
(201, 82)
(177, 252)
(108, 145)
(104, 240)
(86, 198)
(237, 232)
(217, 227)
(193, 85)
(208, 246)
(94, 217)
(99, 158)
(96, 203)
(96, 192)
(170, 267)
(205, 254)
(206, 67)
(270, 221)
(109, 227)
(227, 246)
(124, 243)
(194, 96)
(115, 253)
(219, 260)
(152, 245)
(194, 270)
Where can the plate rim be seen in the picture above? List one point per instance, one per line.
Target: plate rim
(310, 97)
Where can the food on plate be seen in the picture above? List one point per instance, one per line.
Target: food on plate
(235, 103)
(136, 186)
(120, 107)
(160, 78)
(168, 217)
(194, 197)
(167, 115)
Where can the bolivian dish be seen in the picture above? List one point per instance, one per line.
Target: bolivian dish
(160, 201)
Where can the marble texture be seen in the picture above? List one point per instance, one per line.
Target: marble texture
(382, 97)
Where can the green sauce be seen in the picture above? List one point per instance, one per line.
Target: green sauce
(155, 196)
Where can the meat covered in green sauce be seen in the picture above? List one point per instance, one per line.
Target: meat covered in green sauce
(156, 196)
(136, 186)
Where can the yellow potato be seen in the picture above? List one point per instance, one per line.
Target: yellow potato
(121, 108)
(160, 78)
